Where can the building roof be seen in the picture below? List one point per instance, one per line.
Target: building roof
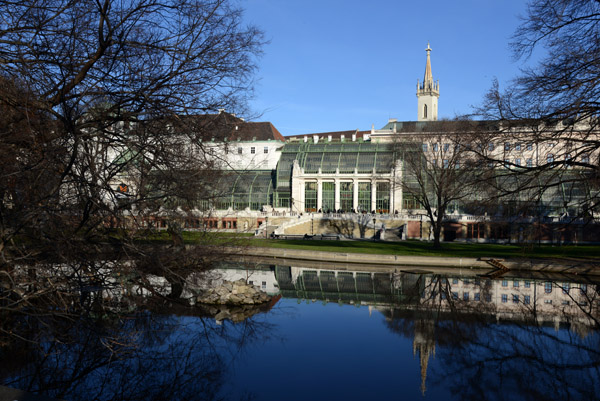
(225, 126)
(335, 135)
(440, 126)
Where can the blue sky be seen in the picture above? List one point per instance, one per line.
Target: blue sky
(335, 65)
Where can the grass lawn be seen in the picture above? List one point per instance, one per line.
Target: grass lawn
(421, 248)
(418, 248)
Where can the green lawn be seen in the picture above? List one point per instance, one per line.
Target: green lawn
(420, 248)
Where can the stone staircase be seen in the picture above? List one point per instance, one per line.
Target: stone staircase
(283, 228)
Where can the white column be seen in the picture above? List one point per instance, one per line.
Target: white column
(337, 194)
(354, 193)
(373, 194)
(319, 194)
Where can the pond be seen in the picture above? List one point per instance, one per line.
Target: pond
(336, 334)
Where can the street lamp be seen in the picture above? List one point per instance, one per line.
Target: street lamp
(374, 220)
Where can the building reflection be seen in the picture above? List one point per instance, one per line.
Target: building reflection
(458, 312)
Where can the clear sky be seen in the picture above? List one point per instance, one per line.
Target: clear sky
(334, 65)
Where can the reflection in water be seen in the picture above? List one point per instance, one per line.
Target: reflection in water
(476, 338)
(148, 356)
(512, 335)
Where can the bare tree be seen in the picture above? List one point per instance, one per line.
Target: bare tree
(548, 117)
(99, 93)
(438, 172)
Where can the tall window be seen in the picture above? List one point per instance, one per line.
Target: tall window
(346, 196)
(310, 196)
(239, 150)
(266, 149)
(424, 111)
(382, 197)
(253, 150)
(364, 196)
(328, 197)
(550, 158)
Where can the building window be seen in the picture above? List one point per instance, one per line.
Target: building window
(529, 163)
(364, 196)
(264, 285)
(328, 193)
(547, 287)
(465, 296)
(310, 196)
(585, 159)
(382, 197)
(446, 147)
(518, 162)
(455, 295)
(446, 163)
(435, 147)
(252, 150)
(515, 284)
(527, 284)
(566, 287)
(529, 146)
(507, 146)
(424, 148)
(346, 196)
(550, 158)
(239, 150)
(526, 299)
(517, 146)
(424, 111)
(490, 147)
(266, 150)
(504, 283)
(504, 298)
(506, 163)
(477, 296)
(454, 281)
(488, 297)
(515, 299)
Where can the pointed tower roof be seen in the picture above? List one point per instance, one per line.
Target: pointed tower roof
(428, 79)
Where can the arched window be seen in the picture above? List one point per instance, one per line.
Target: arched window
(424, 111)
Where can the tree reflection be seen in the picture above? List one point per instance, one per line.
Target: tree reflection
(491, 341)
(147, 356)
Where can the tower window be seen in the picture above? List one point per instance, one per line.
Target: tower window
(424, 111)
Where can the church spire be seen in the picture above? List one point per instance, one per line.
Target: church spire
(428, 79)
(428, 93)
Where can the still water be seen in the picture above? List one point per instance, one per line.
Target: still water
(331, 334)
